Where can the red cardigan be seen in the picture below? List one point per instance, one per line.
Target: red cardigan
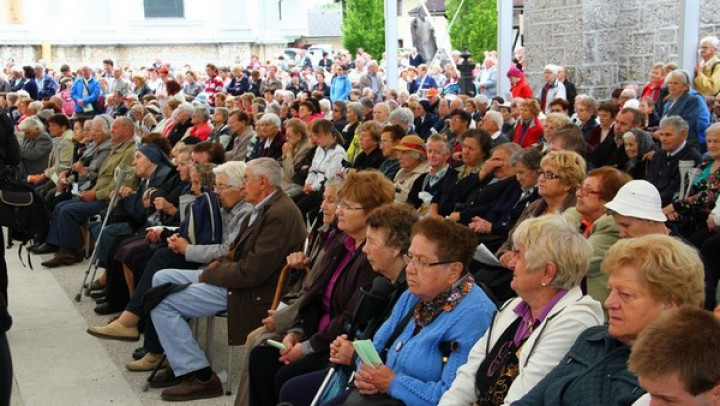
(521, 89)
(532, 135)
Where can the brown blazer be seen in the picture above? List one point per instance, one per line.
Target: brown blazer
(251, 268)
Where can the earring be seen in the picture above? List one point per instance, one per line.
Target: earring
(543, 284)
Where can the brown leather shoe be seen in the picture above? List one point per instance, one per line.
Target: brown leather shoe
(60, 259)
(146, 363)
(193, 389)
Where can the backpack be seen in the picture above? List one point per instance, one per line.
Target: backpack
(203, 222)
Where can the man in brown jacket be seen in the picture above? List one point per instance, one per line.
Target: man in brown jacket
(243, 282)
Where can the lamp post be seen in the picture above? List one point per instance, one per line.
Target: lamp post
(466, 79)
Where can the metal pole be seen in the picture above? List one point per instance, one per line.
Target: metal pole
(689, 34)
(391, 44)
(504, 45)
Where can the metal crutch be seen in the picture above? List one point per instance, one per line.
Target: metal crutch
(121, 175)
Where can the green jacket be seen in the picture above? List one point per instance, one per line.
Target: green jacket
(122, 154)
(61, 156)
(603, 234)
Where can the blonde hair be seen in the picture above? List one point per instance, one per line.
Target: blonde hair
(552, 238)
(570, 166)
(672, 269)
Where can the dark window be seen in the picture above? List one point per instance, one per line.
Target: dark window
(164, 8)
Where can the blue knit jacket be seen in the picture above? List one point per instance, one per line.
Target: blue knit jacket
(421, 378)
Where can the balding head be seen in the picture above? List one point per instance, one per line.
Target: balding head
(122, 130)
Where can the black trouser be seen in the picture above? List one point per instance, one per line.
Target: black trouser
(268, 375)
(3, 267)
(6, 370)
(709, 244)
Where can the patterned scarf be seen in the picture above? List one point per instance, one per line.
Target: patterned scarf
(426, 312)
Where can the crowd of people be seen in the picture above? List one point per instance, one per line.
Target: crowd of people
(525, 246)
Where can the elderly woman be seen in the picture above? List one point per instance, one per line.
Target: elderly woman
(371, 156)
(387, 241)
(553, 122)
(35, 148)
(433, 325)
(518, 84)
(599, 188)
(529, 129)
(297, 157)
(690, 106)
(412, 155)
(492, 229)
(201, 128)
(693, 210)
(461, 181)
(637, 143)
(354, 116)
(586, 109)
(327, 305)
(647, 276)
(530, 334)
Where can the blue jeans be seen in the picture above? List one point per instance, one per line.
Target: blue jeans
(197, 300)
(67, 218)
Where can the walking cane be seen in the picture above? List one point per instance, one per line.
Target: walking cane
(121, 175)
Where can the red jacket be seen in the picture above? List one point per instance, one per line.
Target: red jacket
(532, 135)
(521, 89)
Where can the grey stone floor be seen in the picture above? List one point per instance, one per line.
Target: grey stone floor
(57, 363)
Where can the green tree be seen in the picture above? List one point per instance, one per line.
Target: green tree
(364, 26)
(476, 26)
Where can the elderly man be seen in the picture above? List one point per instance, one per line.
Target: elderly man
(493, 123)
(552, 89)
(46, 84)
(412, 156)
(85, 92)
(487, 79)
(64, 234)
(689, 105)
(663, 168)
(119, 83)
(675, 359)
(570, 90)
(243, 283)
(270, 140)
(372, 80)
(707, 74)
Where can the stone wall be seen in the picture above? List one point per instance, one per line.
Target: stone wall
(197, 55)
(606, 44)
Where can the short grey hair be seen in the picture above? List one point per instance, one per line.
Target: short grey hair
(31, 123)
(202, 112)
(681, 74)
(552, 238)
(551, 68)
(366, 102)
(35, 107)
(714, 128)
(273, 108)
(268, 168)
(495, 116)
(234, 170)
(271, 118)
(357, 108)
(509, 147)
(590, 102)
(712, 41)
(528, 157)
(676, 122)
(325, 103)
(105, 122)
(224, 111)
(186, 108)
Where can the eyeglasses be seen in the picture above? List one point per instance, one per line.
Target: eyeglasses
(585, 191)
(344, 207)
(547, 174)
(420, 265)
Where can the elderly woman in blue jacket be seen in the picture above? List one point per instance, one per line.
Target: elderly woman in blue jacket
(435, 322)
(647, 276)
(530, 333)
